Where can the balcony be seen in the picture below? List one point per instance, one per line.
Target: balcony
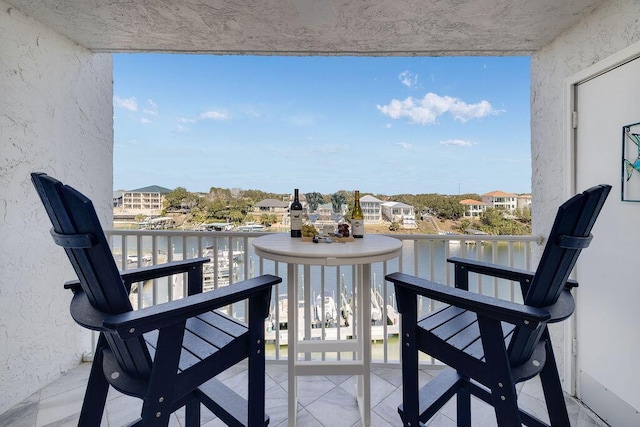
(233, 259)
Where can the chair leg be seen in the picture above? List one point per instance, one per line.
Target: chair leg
(256, 362)
(156, 406)
(410, 392)
(503, 391)
(192, 414)
(463, 408)
(552, 388)
(97, 388)
(410, 411)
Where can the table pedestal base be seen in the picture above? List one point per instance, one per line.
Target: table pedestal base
(360, 344)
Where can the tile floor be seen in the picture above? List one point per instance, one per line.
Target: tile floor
(323, 401)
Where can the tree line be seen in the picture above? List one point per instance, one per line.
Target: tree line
(223, 205)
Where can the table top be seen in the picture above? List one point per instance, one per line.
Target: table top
(371, 248)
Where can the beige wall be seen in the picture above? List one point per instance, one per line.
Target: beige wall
(56, 116)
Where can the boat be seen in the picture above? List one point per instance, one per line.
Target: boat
(217, 226)
(283, 314)
(223, 254)
(251, 226)
(376, 306)
(325, 310)
(160, 223)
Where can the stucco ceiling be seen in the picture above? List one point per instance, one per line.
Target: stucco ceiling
(362, 27)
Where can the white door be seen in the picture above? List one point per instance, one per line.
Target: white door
(608, 298)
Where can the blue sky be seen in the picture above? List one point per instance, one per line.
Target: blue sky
(386, 125)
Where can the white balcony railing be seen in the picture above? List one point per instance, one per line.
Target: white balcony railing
(233, 259)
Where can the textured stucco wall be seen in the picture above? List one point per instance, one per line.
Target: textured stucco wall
(609, 29)
(56, 117)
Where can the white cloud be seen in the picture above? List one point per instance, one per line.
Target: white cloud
(130, 104)
(207, 115)
(388, 125)
(145, 120)
(153, 108)
(426, 111)
(404, 145)
(408, 79)
(457, 143)
(214, 115)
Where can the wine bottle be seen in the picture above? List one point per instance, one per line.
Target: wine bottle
(295, 213)
(357, 218)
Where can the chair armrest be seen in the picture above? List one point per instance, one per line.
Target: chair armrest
(499, 271)
(506, 311)
(133, 323)
(161, 270)
(148, 273)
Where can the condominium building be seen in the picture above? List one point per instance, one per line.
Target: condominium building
(146, 201)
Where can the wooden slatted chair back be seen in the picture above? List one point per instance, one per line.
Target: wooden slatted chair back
(76, 228)
(571, 232)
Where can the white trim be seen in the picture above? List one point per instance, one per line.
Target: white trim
(619, 58)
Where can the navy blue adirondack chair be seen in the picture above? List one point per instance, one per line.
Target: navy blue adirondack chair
(168, 354)
(489, 344)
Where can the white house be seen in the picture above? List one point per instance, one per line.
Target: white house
(500, 200)
(473, 208)
(372, 209)
(399, 212)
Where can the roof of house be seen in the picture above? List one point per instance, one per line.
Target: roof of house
(272, 203)
(471, 202)
(498, 193)
(151, 189)
(396, 205)
(370, 199)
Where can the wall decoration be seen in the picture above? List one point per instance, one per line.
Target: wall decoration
(631, 163)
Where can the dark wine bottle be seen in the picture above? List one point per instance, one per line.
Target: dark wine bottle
(295, 213)
(357, 218)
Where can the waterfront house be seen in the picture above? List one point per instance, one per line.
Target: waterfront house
(56, 116)
(371, 209)
(500, 200)
(473, 208)
(270, 206)
(400, 213)
(275, 207)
